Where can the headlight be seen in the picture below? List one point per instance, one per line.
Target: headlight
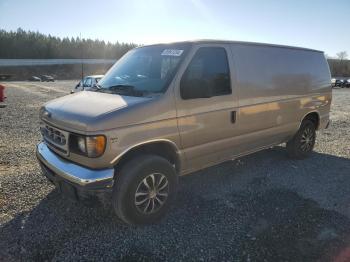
(95, 146)
(91, 146)
(81, 144)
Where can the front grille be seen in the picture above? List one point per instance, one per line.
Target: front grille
(51, 145)
(53, 135)
(55, 139)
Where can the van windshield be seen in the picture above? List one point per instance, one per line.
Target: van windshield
(144, 71)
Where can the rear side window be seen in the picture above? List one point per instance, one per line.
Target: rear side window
(209, 66)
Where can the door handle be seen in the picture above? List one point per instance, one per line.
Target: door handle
(233, 117)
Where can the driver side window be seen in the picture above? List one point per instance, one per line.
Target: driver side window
(207, 74)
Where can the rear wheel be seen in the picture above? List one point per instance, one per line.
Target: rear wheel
(144, 189)
(302, 144)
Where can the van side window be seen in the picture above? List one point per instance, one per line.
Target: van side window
(207, 74)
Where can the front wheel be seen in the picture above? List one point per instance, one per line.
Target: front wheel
(302, 144)
(144, 189)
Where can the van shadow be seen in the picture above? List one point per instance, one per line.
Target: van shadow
(263, 206)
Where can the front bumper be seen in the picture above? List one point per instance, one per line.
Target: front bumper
(63, 172)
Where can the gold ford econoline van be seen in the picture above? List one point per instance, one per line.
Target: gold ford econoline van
(171, 109)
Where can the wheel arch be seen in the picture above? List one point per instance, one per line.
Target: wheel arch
(314, 116)
(161, 147)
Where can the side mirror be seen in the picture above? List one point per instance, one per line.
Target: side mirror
(196, 88)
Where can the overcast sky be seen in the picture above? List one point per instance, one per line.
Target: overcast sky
(321, 24)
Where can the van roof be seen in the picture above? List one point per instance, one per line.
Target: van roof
(214, 41)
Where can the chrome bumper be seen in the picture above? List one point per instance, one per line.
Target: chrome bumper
(72, 172)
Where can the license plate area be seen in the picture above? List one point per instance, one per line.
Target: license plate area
(68, 190)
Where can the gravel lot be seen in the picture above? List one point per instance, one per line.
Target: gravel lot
(260, 207)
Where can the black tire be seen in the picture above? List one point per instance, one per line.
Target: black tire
(302, 144)
(129, 181)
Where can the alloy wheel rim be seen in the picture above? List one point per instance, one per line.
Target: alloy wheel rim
(307, 140)
(151, 193)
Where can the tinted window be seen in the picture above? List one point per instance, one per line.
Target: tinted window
(88, 82)
(209, 67)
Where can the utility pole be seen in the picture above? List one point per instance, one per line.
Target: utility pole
(81, 57)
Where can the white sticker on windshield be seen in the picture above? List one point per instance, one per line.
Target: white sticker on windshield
(172, 52)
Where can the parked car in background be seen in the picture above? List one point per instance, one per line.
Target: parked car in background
(187, 106)
(339, 83)
(87, 83)
(5, 77)
(47, 78)
(34, 79)
(333, 80)
(347, 83)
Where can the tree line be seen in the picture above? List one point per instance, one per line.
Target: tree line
(34, 45)
(339, 65)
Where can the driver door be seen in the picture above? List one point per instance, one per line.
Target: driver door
(207, 125)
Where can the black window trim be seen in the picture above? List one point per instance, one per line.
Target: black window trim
(228, 65)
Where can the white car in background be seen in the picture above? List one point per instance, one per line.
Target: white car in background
(333, 81)
(87, 83)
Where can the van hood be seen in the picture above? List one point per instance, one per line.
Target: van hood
(84, 111)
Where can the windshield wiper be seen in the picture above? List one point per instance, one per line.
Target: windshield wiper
(122, 90)
(121, 87)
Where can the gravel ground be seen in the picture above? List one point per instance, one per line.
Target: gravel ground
(263, 207)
